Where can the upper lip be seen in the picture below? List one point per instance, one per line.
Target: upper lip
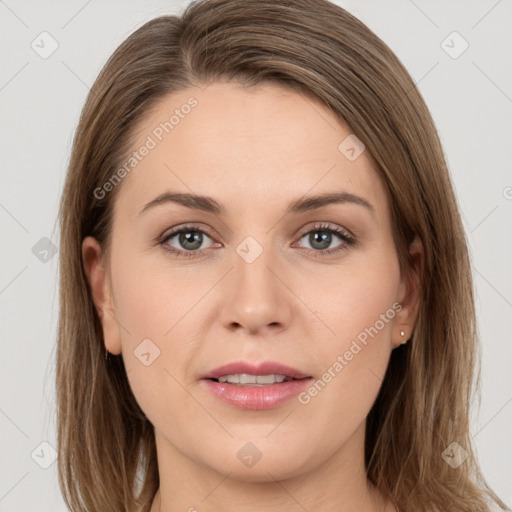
(264, 368)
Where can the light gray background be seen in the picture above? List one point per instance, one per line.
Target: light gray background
(470, 98)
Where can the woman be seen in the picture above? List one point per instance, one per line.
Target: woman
(314, 347)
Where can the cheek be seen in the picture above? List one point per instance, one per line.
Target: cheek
(157, 309)
(355, 297)
(353, 365)
(153, 300)
(359, 305)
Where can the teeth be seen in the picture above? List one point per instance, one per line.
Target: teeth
(243, 379)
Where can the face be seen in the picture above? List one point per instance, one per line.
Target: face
(266, 276)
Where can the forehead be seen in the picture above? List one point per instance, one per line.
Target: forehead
(246, 146)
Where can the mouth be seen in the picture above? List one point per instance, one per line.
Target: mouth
(263, 386)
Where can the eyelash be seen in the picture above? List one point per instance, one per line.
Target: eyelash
(341, 233)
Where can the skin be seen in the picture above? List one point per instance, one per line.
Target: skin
(254, 151)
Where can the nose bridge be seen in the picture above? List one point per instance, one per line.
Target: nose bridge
(255, 282)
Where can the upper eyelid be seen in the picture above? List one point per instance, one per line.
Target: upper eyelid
(191, 227)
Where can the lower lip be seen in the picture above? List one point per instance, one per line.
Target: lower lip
(257, 397)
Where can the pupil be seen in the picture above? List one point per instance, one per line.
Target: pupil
(325, 239)
(190, 237)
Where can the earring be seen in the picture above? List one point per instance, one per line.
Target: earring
(402, 333)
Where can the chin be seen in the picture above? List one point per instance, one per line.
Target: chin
(262, 461)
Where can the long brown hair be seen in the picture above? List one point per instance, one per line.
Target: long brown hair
(107, 455)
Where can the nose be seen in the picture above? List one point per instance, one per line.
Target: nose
(256, 299)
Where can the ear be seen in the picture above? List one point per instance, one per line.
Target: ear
(99, 282)
(409, 293)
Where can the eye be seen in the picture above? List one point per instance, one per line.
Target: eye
(188, 239)
(321, 237)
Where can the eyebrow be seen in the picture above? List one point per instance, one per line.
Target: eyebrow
(210, 205)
